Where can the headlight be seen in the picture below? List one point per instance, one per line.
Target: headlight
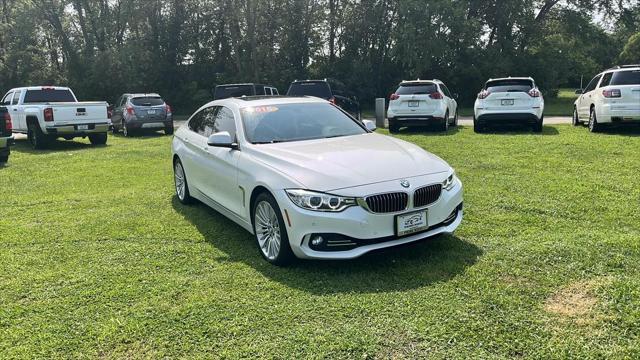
(317, 201)
(450, 181)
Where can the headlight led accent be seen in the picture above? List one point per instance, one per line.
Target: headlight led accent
(317, 201)
(450, 181)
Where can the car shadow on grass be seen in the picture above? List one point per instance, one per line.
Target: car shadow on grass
(631, 129)
(400, 268)
(428, 130)
(24, 146)
(509, 129)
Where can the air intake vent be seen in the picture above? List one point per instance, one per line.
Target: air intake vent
(427, 195)
(388, 203)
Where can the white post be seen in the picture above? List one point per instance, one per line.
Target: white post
(381, 115)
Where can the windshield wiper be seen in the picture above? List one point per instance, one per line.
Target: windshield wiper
(268, 142)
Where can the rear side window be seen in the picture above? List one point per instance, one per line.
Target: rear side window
(225, 92)
(606, 79)
(421, 89)
(48, 96)
(147, 101)
(631, 77)
(318, 89)
(6, 100)
(509, 85)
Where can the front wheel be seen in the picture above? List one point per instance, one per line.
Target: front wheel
(270, 231)
(455, 119)
(98, 139)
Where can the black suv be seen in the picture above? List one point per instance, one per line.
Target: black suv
(238, 90)
(328, 89)
(6, 140)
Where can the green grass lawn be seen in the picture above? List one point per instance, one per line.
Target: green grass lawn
(98, 259)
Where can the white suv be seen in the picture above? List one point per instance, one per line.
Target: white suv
(512, 99)
(613, 96)
(422, 103)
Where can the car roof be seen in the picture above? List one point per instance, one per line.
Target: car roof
(135, 95)
(420, 81)
(513, 78)
(41, 87)
(243, 84)
(253, 101)
(623, 68)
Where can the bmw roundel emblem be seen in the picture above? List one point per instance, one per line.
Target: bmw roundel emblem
(405, 184)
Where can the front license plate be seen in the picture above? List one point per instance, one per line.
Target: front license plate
(411, 223)
(414, 103)
(507, 102)
(151, 112)
(83, 127)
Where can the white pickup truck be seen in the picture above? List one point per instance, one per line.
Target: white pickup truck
(46, 113)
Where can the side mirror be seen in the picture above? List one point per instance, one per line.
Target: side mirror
(370, 125)
(579, 92)
(222, 139)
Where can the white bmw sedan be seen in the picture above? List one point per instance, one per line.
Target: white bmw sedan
(309, 181)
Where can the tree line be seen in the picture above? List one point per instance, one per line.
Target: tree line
(183, 48)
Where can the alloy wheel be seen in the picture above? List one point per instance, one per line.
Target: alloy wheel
(180, 181)
(267, 230)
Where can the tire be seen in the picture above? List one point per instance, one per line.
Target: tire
(537, 127)
(477, 127)
(37, 138)
(455, 119)
(180, 182)
(4, 159)
(593, 121)
(168, 130)
(393, 127)
(575, 121)
(445, 124)
(269, 226)
(98, 139)
(125, 130)
(114, 130)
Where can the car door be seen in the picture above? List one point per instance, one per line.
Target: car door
(118, 111)
(17, 114)
(585, 100)
(220, 165)
(192, 157)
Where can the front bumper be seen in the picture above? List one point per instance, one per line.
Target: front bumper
(73, 130)
(366, 231)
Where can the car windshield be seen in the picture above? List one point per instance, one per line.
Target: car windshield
(631, 77)
(509, 85)
(421, 89)
(147, 101)
(48, 96)
(297, 122)
(318, 89)
(228, 91)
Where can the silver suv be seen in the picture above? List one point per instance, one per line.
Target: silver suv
(134, 112)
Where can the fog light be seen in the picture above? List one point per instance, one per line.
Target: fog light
(317, 240)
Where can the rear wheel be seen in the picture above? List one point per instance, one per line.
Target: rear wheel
(593, 121)
(537, 127)
(125, 130)
(168, 130)
(180, 179)
(575, 121)
(37, 138)
(114, 129)
(270, 231)
(445, 123)
(455, 119)
(4, 158)
(477, 126)
(393, 127)
(98, 139)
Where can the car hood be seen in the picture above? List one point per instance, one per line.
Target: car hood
(344, 162)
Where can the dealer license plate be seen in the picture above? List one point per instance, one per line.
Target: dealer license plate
(83, 127)
(411, 223)
(507, 102)
(414, 103)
